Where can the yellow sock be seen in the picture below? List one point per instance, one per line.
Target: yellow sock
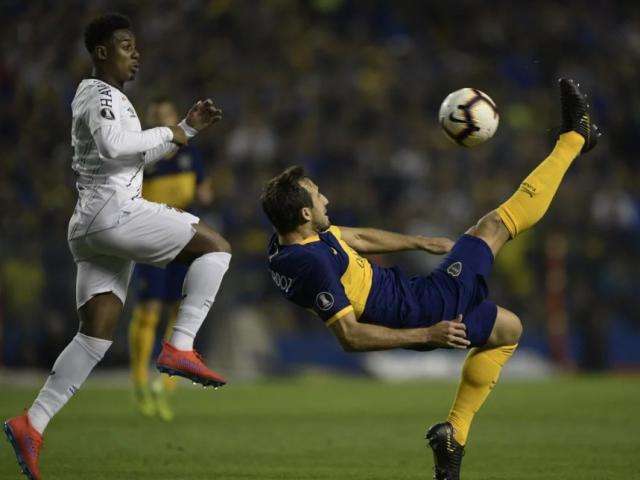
(142, 335)
(479, 375)
(530, 202)
(170, 383)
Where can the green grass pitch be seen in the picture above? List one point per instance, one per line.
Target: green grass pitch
(341, 428)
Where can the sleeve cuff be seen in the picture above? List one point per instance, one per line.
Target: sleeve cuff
(345, 311)
(189, 130)
(166, 134)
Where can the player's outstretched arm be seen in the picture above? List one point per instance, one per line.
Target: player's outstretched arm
(203, 114)
(371, 240)
(114, 142)
(363, 337)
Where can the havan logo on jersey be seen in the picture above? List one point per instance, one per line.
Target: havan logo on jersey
(106, 102)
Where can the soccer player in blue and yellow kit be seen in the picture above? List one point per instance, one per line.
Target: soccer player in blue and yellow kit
(178, 182)
(318, 266)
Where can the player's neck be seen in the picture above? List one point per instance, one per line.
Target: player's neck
(297, 236)
(107, 77)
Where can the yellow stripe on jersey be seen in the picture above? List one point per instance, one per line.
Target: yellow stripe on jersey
(336, 232)
(312, 238)
(346, 310)
(176, 190)
(358, 276)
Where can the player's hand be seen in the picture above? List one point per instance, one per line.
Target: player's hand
(436, 245)
(448, 334)
(203, 114)
(179, 136)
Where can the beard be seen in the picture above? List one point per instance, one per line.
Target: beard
(322, 225)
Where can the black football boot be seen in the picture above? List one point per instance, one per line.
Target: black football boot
(447, 452)
(575, 114)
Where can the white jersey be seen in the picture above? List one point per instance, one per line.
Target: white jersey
(108, 177)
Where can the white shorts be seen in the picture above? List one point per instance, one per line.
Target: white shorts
(147, 232)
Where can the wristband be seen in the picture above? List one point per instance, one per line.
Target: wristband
(188, 129)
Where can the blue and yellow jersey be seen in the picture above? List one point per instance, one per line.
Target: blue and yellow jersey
(173, 181)
(325, 275)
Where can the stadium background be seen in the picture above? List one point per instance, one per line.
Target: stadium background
(350, 90)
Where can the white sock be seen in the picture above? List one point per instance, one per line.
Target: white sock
(200, 288)
(70, 370)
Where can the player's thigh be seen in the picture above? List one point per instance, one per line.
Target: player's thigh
(506, 330)
(151, 233)
(101, 290)
(102, 274)
(480, 322)
(492, 230)
(205, 240)
(459, 283)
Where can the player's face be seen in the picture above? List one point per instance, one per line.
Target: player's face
(123, 57)
(162, 114)
(319, 218)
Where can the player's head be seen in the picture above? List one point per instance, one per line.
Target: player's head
(292, 200)
(112, 46)
(162, 113)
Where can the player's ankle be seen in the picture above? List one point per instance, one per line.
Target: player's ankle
(571, 139)
(38, 418)
(181, 341)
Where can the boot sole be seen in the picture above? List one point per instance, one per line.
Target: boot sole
(16, 450)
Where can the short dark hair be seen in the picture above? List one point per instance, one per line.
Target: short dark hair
(284, 197)
(101, 28)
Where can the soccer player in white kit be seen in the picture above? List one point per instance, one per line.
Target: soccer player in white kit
(112, 227)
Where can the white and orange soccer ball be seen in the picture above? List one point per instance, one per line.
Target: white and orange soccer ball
(469, 117)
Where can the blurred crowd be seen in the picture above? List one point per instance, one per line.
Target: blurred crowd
(351, 91)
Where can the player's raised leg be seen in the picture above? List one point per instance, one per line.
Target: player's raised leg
(209, 254)
(577, 135)
(480, 373)
(531, 201)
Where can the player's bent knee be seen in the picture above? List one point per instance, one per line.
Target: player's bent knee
(487, 226)
(205, 240)
(507, 329)
(212, 240)
(100, 315)
(222, 245)
(219, 244)
(492, 230)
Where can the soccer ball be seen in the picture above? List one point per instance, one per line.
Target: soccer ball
(469, 117)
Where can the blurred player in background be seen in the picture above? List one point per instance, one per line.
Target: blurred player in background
(318, 266)
(113, 226)
(179, 182)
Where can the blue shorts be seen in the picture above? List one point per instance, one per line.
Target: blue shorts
(459, 286)
(155, 283)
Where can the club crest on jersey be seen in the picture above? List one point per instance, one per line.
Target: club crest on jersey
(455, 269)
(324, 301)
(107, 113)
